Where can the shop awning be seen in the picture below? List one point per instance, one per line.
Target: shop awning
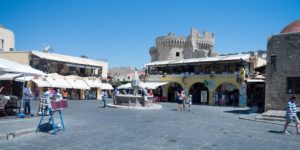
(152, 85)
(9, 76)
(57, 81)
(236, 57)
(68, 59)
(24, 78)
(92, 82)
(77, 83)
(106, 86)
(11, 66)
(41, 82)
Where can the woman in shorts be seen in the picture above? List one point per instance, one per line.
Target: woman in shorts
(180, 101)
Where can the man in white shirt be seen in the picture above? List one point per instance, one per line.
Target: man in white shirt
(27, 97)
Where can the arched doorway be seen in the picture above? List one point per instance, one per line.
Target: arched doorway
(199, 93)
(172, 91)
(227, 94)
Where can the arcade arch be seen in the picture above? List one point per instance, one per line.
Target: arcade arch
(227, 94)
(200, 93)
(173, 88)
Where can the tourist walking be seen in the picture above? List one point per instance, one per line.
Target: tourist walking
(189, 102)
(291, 115)
(116, 93)
(27, 97)
(104, 98)
(223, 99)
(65, 95)
(180, 101)
(86, 95)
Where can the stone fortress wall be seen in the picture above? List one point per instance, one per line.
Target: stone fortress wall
(283, 75)
(172, 47)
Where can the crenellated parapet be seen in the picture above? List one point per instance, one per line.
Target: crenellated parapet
(172, 47)
(170, 41)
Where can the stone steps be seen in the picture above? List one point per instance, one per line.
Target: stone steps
(270, 118)
(273, 115)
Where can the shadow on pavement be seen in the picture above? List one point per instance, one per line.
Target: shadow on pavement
(276, 132)
(45, 127)
(248, 111)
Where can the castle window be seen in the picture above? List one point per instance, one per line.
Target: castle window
(2, 43)
(177, 54)
(293, 85)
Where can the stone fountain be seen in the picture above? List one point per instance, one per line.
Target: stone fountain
(134, 100)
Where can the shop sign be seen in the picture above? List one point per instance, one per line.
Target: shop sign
(151, 78)
(211, 84)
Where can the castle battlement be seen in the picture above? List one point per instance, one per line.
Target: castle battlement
(173, 47)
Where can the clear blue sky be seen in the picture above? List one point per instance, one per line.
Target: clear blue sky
(123, 30)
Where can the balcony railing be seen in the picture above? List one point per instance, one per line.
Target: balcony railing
(212, 74)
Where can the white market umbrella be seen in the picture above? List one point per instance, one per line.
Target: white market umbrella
(14, 67)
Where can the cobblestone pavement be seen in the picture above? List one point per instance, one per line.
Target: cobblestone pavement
(205, 128)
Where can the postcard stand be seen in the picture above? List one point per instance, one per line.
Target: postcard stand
(55, 106)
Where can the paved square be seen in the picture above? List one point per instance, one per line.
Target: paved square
(205, 127)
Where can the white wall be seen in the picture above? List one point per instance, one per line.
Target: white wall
(7, 39)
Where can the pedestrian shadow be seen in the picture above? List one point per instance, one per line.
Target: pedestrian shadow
(174, 109)
(276, 132)
(48, 128)
(248, 111)
(45, 127)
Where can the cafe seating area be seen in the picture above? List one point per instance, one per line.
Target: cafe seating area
(9, 105)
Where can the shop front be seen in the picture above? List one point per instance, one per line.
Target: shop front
(95, 85)
(203, 88)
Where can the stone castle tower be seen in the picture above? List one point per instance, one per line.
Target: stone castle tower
(171, 47)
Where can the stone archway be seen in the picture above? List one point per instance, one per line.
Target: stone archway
(172, 91)
(200, 93)
(228, 93)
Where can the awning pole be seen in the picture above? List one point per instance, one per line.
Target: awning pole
(21, 114)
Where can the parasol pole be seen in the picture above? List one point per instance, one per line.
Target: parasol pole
(21, 114)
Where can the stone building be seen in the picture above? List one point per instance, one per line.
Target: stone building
(190, 64)
(172, 47)
(283, 67)
(7, 39)
(124, 73)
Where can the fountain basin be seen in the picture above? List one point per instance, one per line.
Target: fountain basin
(133, 102)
